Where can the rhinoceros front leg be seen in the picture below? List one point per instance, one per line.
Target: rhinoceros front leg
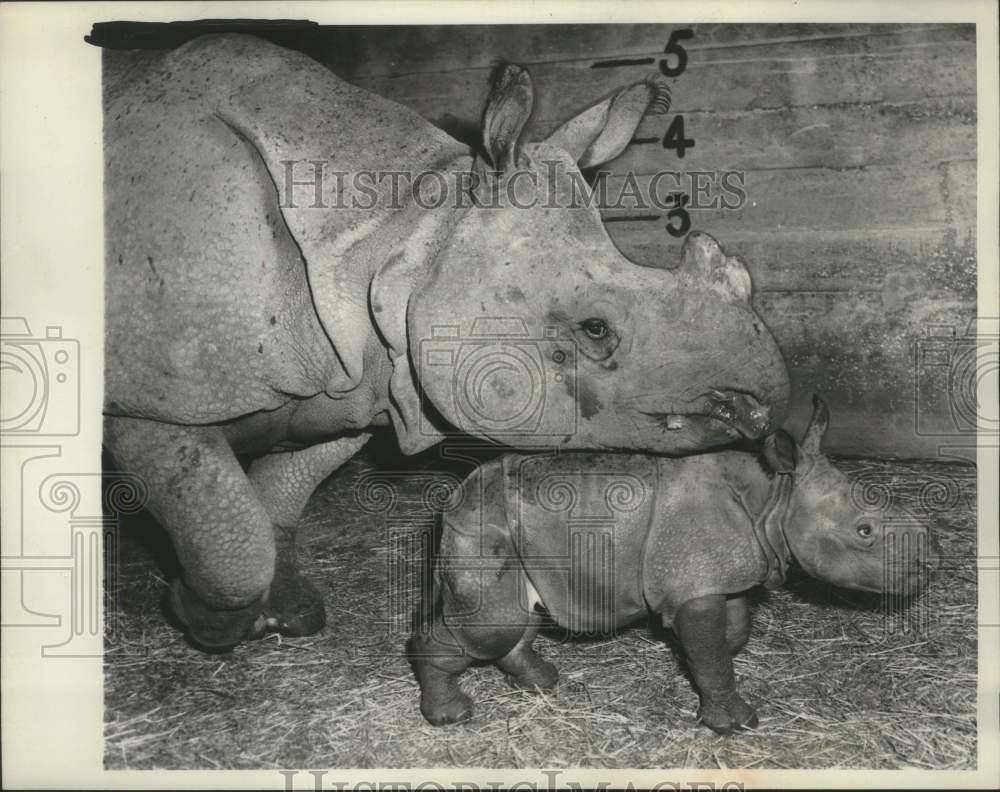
(439, 660)
(220, 529)
(700, 624)
(284, 481)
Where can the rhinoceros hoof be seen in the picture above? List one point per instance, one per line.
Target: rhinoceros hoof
(541, 675)
(734, 715)
(211, 629)
(440, 710)
(292, 607)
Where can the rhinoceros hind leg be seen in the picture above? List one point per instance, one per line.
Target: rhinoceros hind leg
(284, 481)
(212, 630)
(524, 668)
(293, 605)
(737, 623)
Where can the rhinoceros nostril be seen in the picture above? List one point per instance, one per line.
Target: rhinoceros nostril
(741, 410)
(721, 396)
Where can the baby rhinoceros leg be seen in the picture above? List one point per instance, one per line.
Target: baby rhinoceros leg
(478, 613)
(524, 668)
(438, 667)
(701, 624)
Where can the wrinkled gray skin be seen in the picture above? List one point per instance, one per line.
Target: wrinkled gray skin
(685, 538)
(242, 320)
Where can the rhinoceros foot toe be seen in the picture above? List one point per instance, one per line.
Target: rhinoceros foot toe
(440, 710)
(540, 675)
(213, 630)
(728, 717)
(293, 607)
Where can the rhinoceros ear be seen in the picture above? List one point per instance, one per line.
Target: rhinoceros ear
(602, 132)
(703, 263)
(813, 438)
(780, 452)
(508, 109)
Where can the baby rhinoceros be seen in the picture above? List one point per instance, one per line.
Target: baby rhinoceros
(599, 540)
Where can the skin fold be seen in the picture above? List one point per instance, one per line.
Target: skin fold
(600, 540)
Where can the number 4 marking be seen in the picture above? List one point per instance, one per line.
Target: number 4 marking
(674, 139)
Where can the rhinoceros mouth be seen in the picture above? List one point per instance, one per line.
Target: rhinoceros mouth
(734, 410)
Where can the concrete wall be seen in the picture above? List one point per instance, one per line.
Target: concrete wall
(859, 147)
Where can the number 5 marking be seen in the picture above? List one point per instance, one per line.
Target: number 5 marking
(675, 49)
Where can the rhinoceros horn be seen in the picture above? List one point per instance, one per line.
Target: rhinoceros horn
(818, 424)
(704, 261)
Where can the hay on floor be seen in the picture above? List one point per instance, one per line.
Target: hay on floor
(832, 687)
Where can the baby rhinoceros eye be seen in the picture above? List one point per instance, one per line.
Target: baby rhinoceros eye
(865, 530)
(595, 328)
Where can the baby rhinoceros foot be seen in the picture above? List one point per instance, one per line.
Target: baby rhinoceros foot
(442, 706)
(527, 671)
(441, 699)
(726, 717)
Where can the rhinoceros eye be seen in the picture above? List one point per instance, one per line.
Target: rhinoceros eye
(595, 338)
(865, 530)
(596, 329)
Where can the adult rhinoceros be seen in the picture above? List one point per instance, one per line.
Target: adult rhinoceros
(253, 309)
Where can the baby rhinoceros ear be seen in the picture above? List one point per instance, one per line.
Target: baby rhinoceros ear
(780, 452)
